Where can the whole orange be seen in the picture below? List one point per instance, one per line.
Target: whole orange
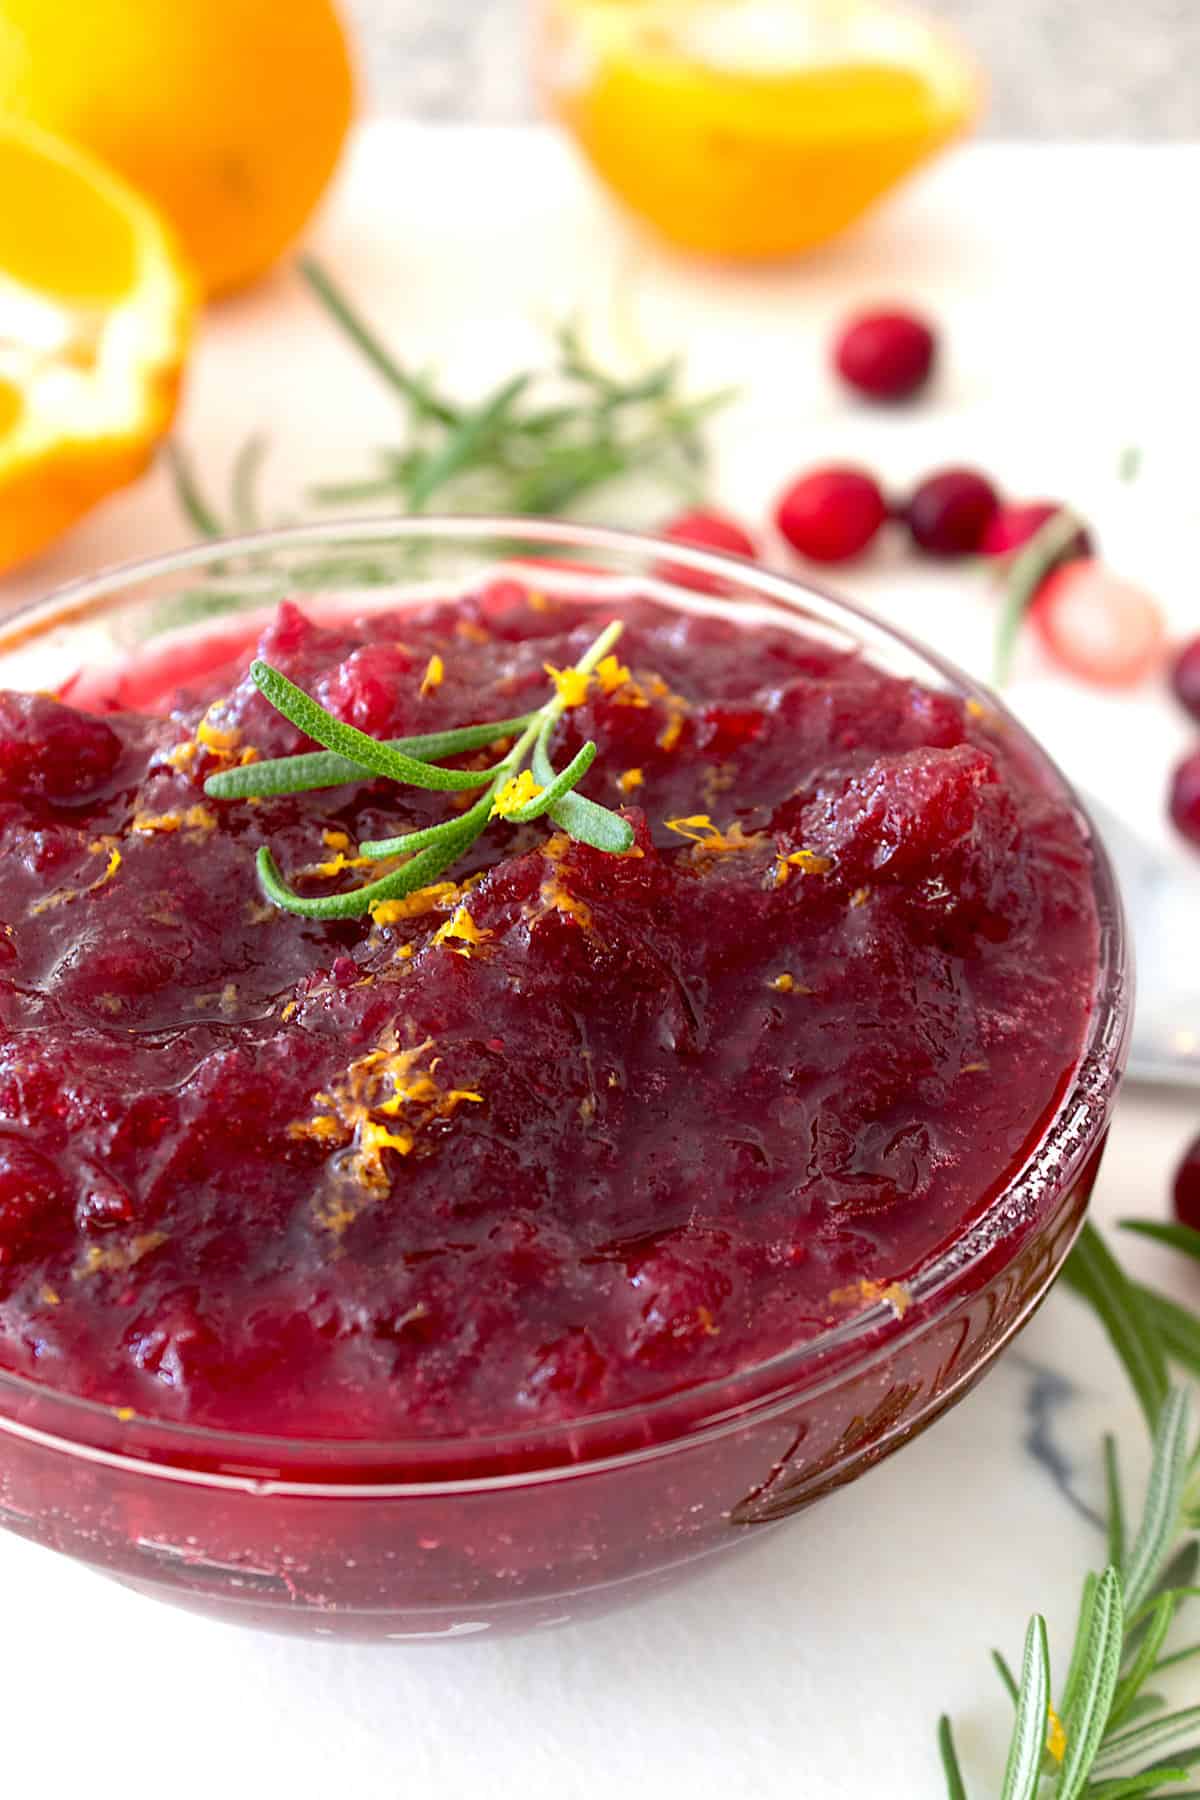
(230, 114)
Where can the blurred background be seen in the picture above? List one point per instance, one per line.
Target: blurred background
(1057, 68)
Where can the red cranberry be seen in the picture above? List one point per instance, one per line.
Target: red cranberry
(710, 530)
(885, 355)
(1187, 1188)
(1185, 798)
(950, 512)
(1010, 526)
(1185, 678)
(831, 515)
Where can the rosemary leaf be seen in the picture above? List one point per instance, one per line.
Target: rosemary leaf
(556, 789)
(956, 1788)
(352, 493)
(1094, 1273)
(425, 867)
(469, 440)
(590, 824)
(1115, 1503)
(1083, 1626)
(1097, 1683)
(195, 506)
(346, 740)
(1006, 1675)
(1126, 1787)
(1144, 1660)
(1033, 562)
(314, 769)
(1156, 1735)
(1023, 1770)
(1143, 1705)
(420, 396)
(1164, 1496)
(243, 491)
(1178, 1237)
(1176, 1657)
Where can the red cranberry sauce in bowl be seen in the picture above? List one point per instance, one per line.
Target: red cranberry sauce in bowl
(565, 1137)
(565, 1130)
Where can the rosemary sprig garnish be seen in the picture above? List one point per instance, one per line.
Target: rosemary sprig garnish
(1111, 1737)
(512, 790)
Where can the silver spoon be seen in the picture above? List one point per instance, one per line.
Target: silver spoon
(1161, 891)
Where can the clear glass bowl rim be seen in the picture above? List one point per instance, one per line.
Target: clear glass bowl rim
(765, 1383)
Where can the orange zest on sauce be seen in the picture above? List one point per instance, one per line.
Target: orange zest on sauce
(571, 685)
(709, 840)
(463, 927)
(869, 1293)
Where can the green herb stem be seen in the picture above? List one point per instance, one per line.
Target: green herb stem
(1030, 567)
(350, 754)
(424, 401)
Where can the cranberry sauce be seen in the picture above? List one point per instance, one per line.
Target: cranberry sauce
(566, 1132)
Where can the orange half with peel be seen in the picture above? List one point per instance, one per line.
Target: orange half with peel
(95, 313)
(753, 129)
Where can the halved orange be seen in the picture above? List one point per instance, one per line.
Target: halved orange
(95, 314)
(753, 128)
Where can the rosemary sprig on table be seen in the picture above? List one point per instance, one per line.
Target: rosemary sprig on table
(537, 444)
(512, 790)
(1109, 1737)
(1036, 559)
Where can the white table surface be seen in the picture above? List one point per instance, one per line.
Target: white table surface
(816, 1664)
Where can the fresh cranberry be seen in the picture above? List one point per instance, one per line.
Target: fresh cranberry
(1185, 798)
(1187, 1188)
(1011, 526)
(831, 515)
(885, 355)
(950, 512)
(711, 530)
(1185, 678)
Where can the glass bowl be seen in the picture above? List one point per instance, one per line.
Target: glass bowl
(449, 1538)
